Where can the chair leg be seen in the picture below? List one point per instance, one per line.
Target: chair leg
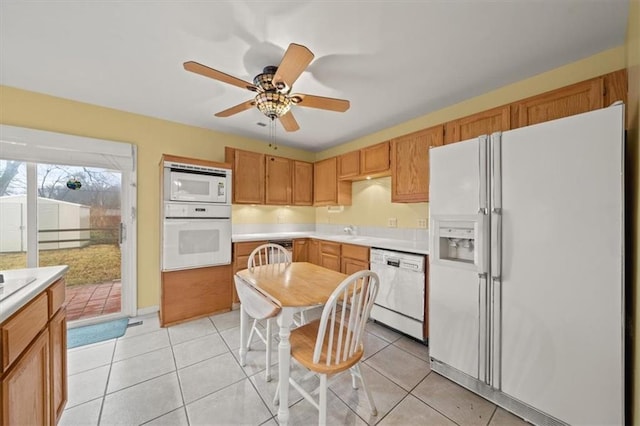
(354, 376)
(322, 418)
(268, 349)
(303, 320)
(374, 410)
(253, 330)
(276, 397)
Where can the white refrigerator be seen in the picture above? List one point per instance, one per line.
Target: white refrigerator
(526, 268)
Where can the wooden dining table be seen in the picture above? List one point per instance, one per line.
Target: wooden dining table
(293, 287)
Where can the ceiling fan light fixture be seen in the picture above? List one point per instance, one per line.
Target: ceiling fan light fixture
(273, 104)
(265, 80)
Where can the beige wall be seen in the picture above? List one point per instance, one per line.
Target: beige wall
(153, 137)
(247, 214)
(372, 201)
(633, 155)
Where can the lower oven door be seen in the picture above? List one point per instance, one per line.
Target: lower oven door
(195, 243)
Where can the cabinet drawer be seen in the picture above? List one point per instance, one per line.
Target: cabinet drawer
(56, 294)
(22, 328)
(355, 252)
(327, 247)
(245, 248)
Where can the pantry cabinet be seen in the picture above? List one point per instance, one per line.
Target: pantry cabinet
(248, 175)
(34, 360)
(327, 189)
(482, 123)
(410, 165)
(302, 183)
(278, 184)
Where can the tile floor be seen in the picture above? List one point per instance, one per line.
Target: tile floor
(92, 300)
(189, 375)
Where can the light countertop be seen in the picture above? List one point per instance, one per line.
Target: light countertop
(44, 277)
(419, 247)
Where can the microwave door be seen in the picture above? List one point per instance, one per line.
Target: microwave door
(198, 187)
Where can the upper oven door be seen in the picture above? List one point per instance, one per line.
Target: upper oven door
(198, 187)
(195, 243)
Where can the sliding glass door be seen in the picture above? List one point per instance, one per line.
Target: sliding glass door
(54, 213)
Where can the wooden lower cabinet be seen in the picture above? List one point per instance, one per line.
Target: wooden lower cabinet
(300, 250)
(33, 348)
(313, 251)
(195, 293)
(330, 255)
(58, 367)
(354, 258)
(25, 388)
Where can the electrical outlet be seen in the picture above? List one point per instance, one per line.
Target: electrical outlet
(422, 223)
(393, 222)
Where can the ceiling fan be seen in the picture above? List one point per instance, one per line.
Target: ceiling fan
(273, 87)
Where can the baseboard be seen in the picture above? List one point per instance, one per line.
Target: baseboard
(148, 310)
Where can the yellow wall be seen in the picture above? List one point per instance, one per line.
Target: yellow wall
(633, 155)
(374, 208)
(246, 214)
(153, 137)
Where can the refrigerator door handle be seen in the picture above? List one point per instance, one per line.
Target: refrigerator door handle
(496, 245)
(496, 172)
(482, 174)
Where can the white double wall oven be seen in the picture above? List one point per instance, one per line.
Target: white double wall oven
(196, 230)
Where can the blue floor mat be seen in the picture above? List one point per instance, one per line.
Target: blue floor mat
(86, 335)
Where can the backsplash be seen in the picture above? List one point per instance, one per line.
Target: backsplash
(405, 234)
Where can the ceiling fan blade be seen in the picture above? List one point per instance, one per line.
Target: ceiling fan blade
(236, 109)
(295, 60)
(331, 104)
(217, 75)
(289, 122)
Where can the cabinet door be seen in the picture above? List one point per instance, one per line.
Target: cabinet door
(330, 261)
(25, 388)
(58, 346)
(482, 123)
(325, 182)
(350, 266)
(410, 165)
(327, 190)
(302, 183)
(570, 100)
(349, 165)
(278, 180)
(374, 159)
(313, 251)
(300, 252)
(248, 176)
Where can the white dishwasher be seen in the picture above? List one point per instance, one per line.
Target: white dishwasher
(400, 300)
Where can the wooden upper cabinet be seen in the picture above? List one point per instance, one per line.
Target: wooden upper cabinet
(302, 183)
(410, 165)
(375, 159)
(248, 175)
(278, 180)
(327, 189)
(482, 123)
(570, 100)
(349, 165)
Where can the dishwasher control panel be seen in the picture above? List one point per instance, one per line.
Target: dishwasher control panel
(397, 259)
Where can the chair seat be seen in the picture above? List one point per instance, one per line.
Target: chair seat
(303, 341)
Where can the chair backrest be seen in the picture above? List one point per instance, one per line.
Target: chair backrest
(344, 318)
(268, 254)
(256, 304)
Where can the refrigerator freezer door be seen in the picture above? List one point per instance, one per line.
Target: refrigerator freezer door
(457, 188)
(562, 266)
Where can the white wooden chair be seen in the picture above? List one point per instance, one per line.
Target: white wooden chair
(266, 254)
(334, 343)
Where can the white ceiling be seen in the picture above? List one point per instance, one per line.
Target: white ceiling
(394, 60)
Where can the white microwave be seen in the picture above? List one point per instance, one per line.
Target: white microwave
(193, 183)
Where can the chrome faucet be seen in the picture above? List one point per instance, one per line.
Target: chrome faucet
(350, 230)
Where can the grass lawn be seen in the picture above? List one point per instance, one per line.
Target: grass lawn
(87, 265)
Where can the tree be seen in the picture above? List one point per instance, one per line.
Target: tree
(7, 175)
